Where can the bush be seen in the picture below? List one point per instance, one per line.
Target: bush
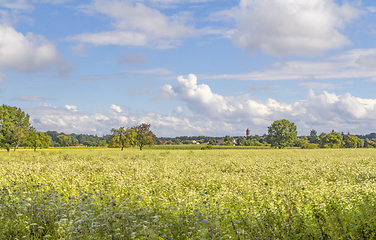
(207, 147)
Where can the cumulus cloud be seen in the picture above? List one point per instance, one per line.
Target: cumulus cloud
(28, 53)
(136, 24)
(280, 27)
(325, 110)
(45, 118)
(116, 108)
(71, 108)
(214, 115)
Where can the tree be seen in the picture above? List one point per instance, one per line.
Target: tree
(241, 141)
(303, 142)
(333, 140)
(353, 142)
(75, 142)
(14, 127)
(102, 143)
(123, 138)
(313, 137)
(212, 142)
(63, 141)
(37, 139)
(177, 141)
(145, 137)
(282, 133)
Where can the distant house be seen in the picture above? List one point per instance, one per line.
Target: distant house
(195, 142)
(163, 141)
(219, 142)
(367, 143)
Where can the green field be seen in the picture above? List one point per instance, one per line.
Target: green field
(188, 194)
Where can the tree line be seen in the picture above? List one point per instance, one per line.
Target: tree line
(16, 130)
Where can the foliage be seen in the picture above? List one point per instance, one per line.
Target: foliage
(212, 142)
(313, 138)
(333, 140)
(303, 142)
(37, 139)
(14, 127)
(221, 194)
(207, 147)
(63, 141)
(144, 137)
(282, 133)
(123, 138)
(353, 142)
(79, 139)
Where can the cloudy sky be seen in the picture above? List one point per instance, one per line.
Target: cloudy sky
(190, 67)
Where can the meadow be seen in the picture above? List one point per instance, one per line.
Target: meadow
(188, 194)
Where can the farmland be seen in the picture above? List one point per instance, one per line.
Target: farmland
(188, 194)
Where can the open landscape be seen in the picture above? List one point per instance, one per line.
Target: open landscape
(187, 119)
(188, 194)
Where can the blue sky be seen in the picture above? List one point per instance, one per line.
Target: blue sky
(193, 67)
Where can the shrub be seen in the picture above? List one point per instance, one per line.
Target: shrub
(207, 147)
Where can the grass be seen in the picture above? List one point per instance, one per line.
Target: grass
(188, 194)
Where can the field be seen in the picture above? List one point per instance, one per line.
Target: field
(188, 194)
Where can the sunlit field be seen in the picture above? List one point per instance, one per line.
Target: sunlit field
(188, 194)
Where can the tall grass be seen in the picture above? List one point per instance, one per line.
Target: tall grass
(194, 194)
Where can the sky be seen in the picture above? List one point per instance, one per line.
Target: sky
(192, 67)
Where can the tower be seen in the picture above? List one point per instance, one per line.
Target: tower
(247, 132)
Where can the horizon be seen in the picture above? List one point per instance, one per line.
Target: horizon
(190, 67)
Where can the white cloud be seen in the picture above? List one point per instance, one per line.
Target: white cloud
(16, 4)
(353, 64)
(116, 108)
(215, 115)
(279, 27)
(326, 110)
(28, 53)
(25, 5)
(71, 107)
(136, 24)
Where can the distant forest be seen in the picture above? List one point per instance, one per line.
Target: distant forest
(62, 139)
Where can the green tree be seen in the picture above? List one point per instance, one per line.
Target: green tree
(333, 140)
(241, 141)
(14, 127)
(212, 142)
(313, 138)
(360, 143)
(177, 141)
(303, 142)
(75, 142)
(123, 138)
(102, 143)
(353, 142)
(145, 137)
(37, 139)
(282, 133)
(63, 141)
